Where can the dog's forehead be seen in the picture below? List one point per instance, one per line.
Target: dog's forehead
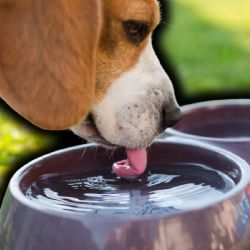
(143, 10)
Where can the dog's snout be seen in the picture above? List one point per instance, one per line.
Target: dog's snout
(170, 116)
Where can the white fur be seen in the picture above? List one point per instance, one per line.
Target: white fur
(130, 113)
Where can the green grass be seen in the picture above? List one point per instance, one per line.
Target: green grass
(209, 45)
(16, 142)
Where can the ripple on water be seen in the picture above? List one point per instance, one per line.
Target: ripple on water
(165, 189)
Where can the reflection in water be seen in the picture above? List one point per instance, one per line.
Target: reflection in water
(165, 189)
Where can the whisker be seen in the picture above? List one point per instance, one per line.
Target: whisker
(113, 151)
(83, 152)
(165, 23)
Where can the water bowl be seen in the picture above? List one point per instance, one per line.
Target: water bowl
(192, 196)
(225, 123)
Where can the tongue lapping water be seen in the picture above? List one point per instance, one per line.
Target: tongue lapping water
(166, 189)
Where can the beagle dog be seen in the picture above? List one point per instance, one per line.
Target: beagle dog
(88, 65)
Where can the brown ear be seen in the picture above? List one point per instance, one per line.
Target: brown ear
(47, 59)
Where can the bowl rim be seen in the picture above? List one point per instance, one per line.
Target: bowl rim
(210, 104)
(17, 194)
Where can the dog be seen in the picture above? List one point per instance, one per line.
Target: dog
(87, 65)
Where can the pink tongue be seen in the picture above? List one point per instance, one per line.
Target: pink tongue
(134, 165)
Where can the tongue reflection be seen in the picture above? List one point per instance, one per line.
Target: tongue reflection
(134, 166)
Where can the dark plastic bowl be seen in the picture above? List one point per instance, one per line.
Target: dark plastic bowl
(218, 223)
(225, 123)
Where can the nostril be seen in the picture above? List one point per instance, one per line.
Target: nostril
(170, 117)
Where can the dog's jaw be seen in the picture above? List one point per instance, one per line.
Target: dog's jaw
(87, 129)
(129, 114)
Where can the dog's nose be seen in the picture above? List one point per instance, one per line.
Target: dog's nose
(170, 116)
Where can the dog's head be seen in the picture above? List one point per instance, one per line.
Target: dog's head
(88, 65)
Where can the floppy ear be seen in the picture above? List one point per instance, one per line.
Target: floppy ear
(48, 59)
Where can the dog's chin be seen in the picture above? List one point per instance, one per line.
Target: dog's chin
(89, 131)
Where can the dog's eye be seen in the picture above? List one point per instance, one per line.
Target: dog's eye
(136, 31)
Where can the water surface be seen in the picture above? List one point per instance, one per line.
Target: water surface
(165, 189)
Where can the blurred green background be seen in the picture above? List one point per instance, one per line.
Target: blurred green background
(208, 42)
(16, 141)
(209, 45)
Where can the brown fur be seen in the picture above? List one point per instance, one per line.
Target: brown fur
(59, 57)
(115, 53)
